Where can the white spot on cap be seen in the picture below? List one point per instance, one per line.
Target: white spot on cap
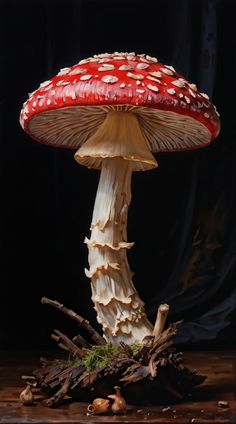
(48, 87)
(142, 65)
(122, 85)
(171, 91)
(144, 60)
(83, 61)
(187, 99)
(191, 92)
(181, 95)
(48, 102)
(153, 78)
(170, 67)
(31, 94)
(151, 59)
(166, 71)
(205, 96)
(60, 83)
(156, 74)
(85, 77)
(45, 83)
(139, 90)
(118, 57)
(109, 79)
(53, 92)
(216, 111)
(130, 56)
(193, 87)
(178, 83)
(206, 115)
(63, 71)
(135, 76)
(34, 104)
(104, 69)
(152, 87)
(105, 60)
(78, 71)
(126, 68)
(138, 82)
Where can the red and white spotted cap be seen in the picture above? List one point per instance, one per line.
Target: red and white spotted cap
(173, 115)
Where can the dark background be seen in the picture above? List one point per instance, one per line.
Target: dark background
(182, 216)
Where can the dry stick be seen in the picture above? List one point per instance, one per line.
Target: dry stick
(67, 344)
(81, 342)
(160, 320)
(166, 335)
(62, 392)
(77, 318)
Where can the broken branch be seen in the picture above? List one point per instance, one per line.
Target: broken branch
(162, 313)
(96, 337)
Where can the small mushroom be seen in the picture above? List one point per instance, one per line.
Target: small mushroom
(26, 396)
(99, 406)
(119, 406)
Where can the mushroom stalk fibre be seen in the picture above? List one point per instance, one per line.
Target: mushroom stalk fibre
(118, 306)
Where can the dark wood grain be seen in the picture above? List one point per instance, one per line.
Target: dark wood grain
(202, 406)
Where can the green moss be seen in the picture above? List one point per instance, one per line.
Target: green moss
(135, 348)
(99, 356)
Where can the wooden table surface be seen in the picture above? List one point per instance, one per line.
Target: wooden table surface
(201, 407)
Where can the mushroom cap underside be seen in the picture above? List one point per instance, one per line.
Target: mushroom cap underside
(66, 110)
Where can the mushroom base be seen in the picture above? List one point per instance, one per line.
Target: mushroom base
(149, 373)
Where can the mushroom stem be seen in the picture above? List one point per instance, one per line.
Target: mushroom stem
(118, 148)
(119, 308)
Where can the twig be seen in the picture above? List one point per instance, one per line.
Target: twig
(61, 393)
(67, 344)
(28, 377)
(96, 337)
(81, 342)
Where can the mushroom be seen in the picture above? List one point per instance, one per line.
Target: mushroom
(116, 119)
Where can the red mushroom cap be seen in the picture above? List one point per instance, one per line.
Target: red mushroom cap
(69, 108)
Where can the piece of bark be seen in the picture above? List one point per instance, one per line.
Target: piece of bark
(166, 335)
(95, 336)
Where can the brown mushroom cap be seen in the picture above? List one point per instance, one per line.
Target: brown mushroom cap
(68, 109)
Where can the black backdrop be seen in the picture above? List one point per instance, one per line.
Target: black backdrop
(183, 215)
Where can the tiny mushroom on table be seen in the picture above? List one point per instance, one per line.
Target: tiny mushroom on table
(116, 110)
